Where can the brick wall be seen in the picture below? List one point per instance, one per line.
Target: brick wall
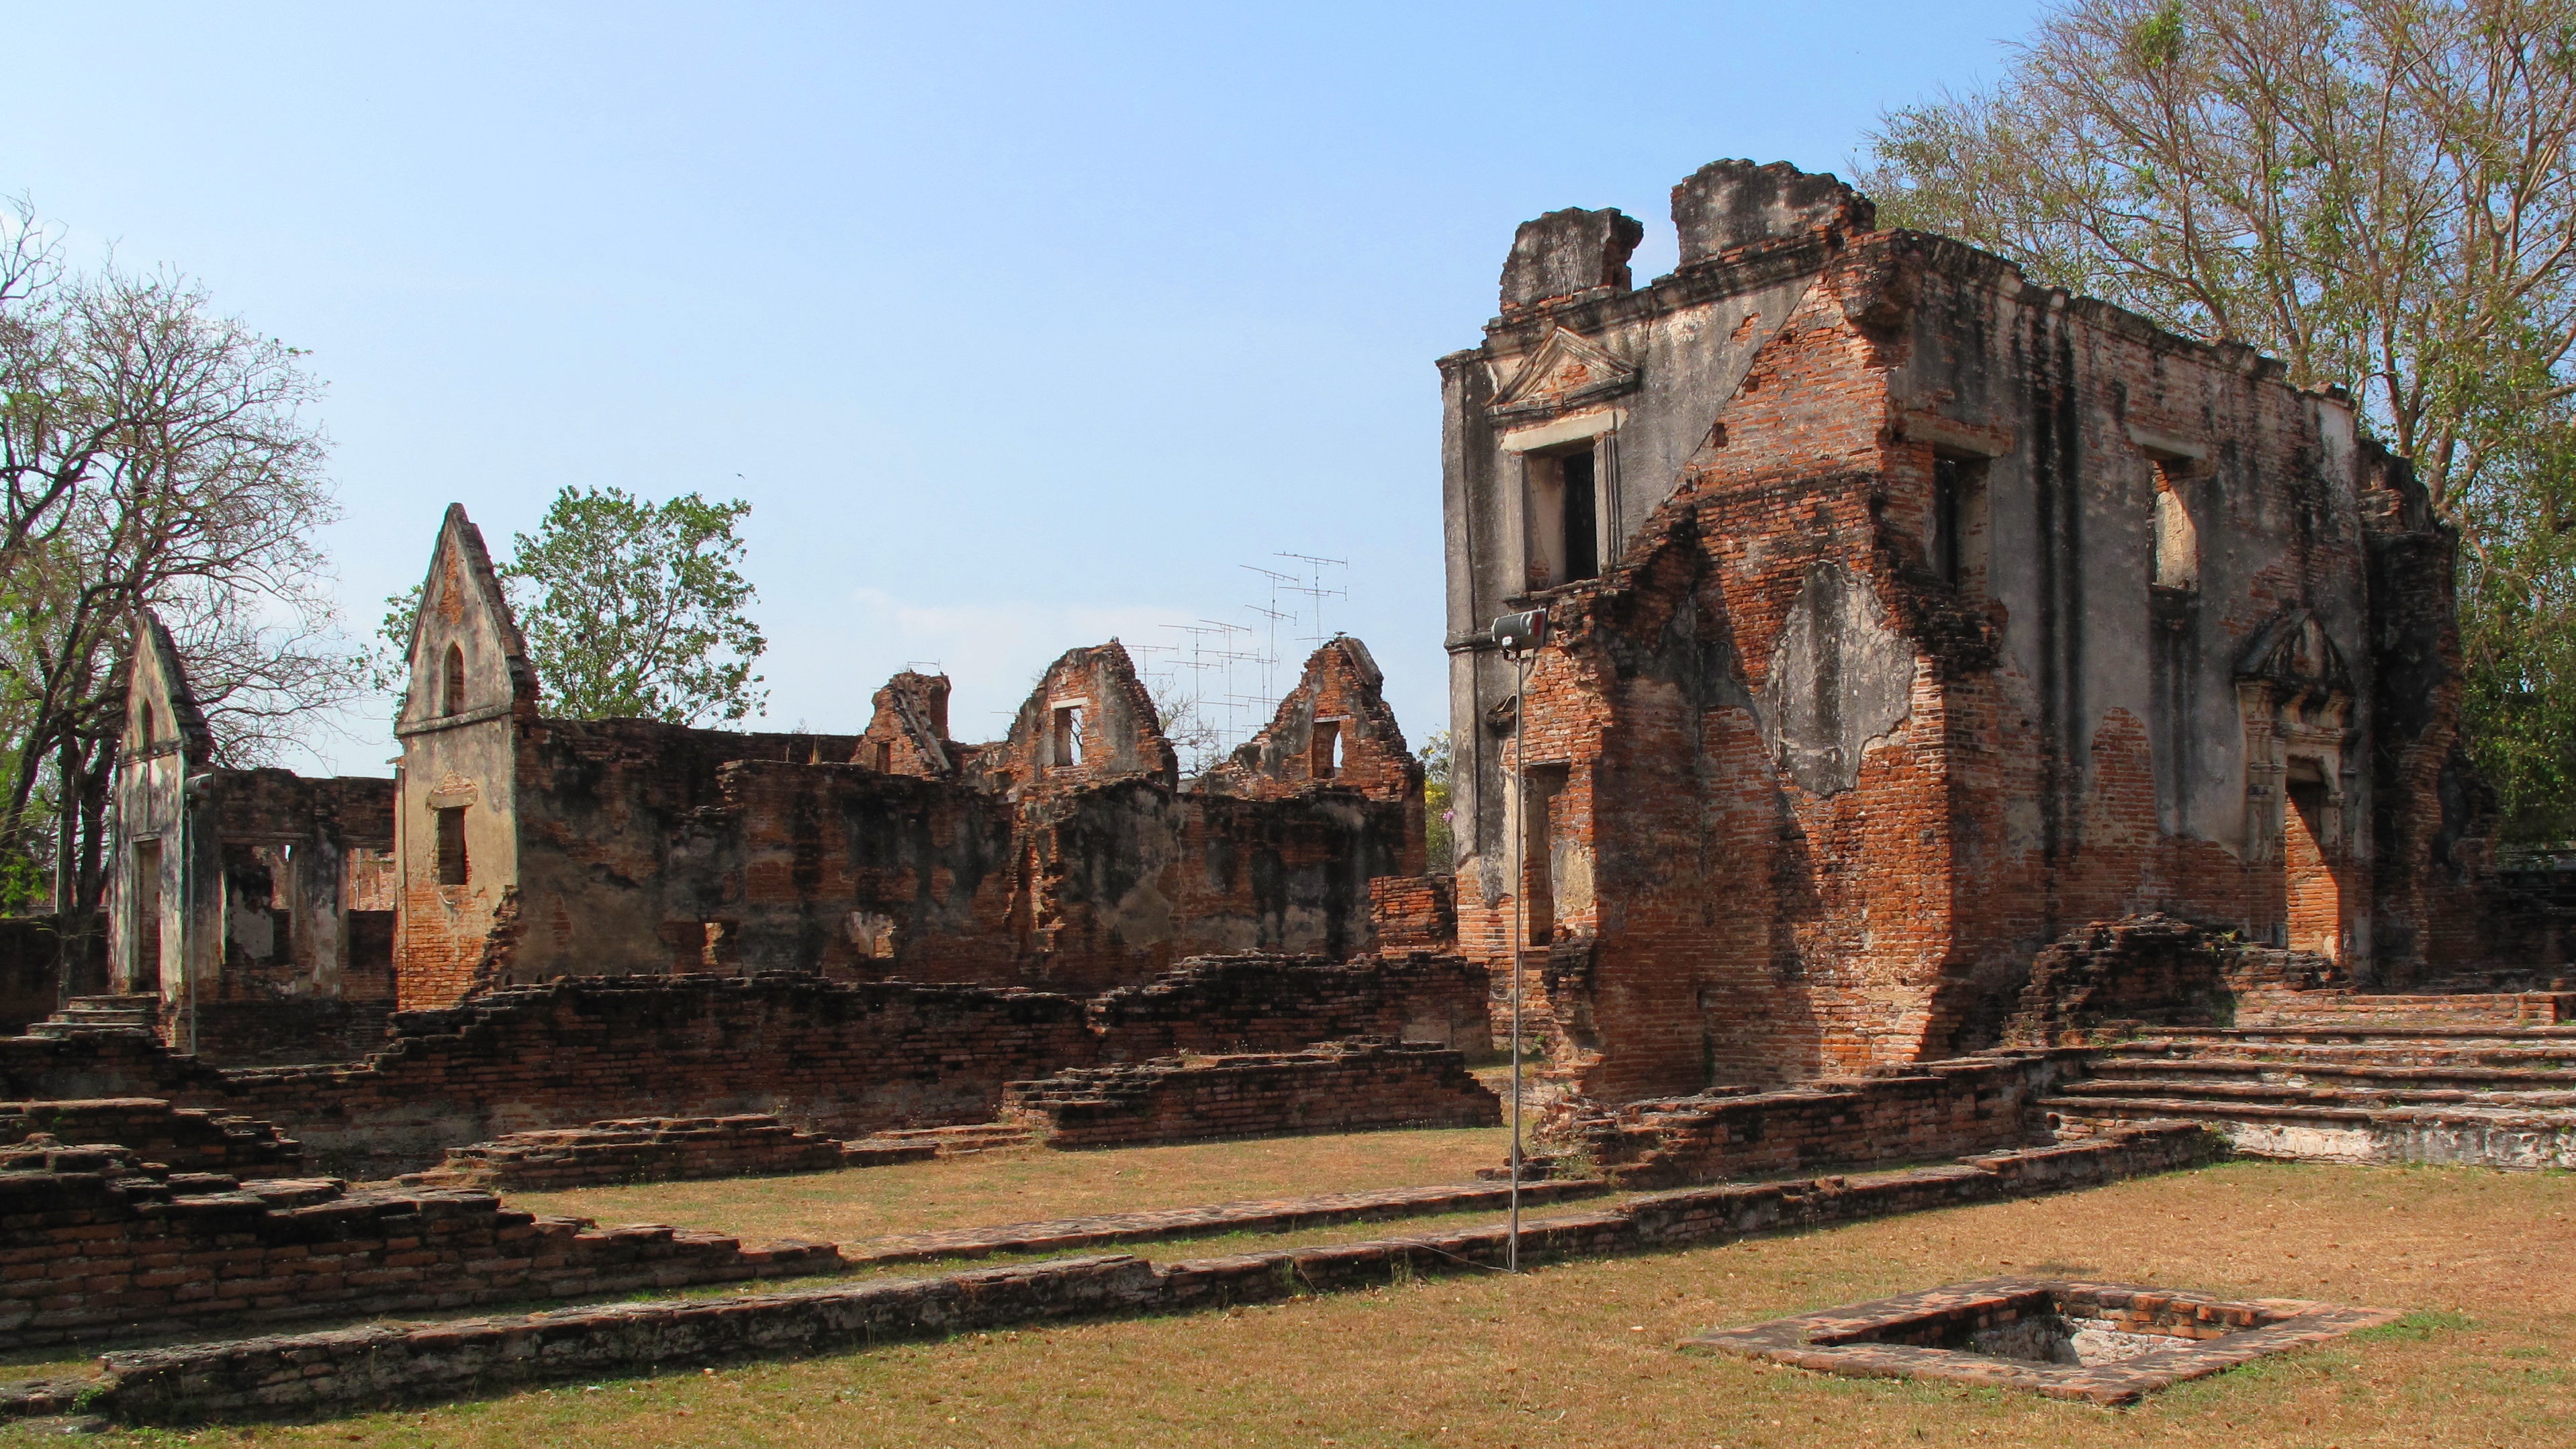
(2154, 971)
(170, 1139)
(638, 1149)
(92, 1244)
(846, 1058)
(1939, 1110)
(1343, 1086)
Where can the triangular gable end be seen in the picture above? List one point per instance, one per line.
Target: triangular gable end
(157, 680)
(1565, 372)
(462, 607)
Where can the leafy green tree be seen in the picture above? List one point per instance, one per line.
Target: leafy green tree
(2381, 193)
(631, 610)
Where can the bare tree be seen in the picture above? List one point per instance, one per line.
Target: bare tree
(151, 454)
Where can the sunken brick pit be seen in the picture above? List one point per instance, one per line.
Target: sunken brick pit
(2102, 1343)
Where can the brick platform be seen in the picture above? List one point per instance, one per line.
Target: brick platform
(1938, 1110)
(635, 1149)
(92, 1244)
(1342, 1086)
(2101, 1343)
(320, 1372)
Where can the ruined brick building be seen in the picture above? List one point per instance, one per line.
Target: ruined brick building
(513, 847)
(1906, 616)
(257, 905)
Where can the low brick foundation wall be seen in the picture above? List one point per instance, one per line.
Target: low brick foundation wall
(370, 1367)
(288, 1033)
(1345, 1086)
(92, 1244)
(1937, 1110)
(638, 1149)
(843, 1058)
(169, 1139)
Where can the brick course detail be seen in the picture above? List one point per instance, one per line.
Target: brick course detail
(367, 1367)
(637, 1149)
(97, 1245)
(1341, 1086)
(845, 1058)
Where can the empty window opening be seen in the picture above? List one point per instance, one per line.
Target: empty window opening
(451, 845)
(1582, 528)
(885, 757)
(1068, 735)
(146, 966)
(2177, 563)
(1326, 761)
(1957, 527)
(451, 694)
(150, 727)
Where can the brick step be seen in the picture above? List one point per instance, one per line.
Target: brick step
(2367, 1032)
(948, 1141)
(2292, 1093)
(2219, 1070)
(2390, 1052)
(2190, 1109)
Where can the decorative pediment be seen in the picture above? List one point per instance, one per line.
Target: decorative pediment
(1565, 372)
(2295, 655)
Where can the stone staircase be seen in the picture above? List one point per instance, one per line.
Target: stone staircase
(100, 1016)
(2485, 1080)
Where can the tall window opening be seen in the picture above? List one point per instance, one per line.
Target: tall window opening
(885, 757)
(151, 727)
(147, 917)
(1068, 735)
(1580, 502)
(451, 692)
(2177, 559)
(451, 845)
(1956, 535)
(1325, 752)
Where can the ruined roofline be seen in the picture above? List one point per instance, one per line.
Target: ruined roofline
(1372, 711)
(1819, 219)
(457, 532)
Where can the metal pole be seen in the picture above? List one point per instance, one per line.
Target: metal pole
(1520, 934)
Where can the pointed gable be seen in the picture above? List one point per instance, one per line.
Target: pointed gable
(466, 655)
(1089, 721)
(1334, 729)
(161, 711)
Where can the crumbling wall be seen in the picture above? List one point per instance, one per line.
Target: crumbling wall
(2152, 970)
(221, 1249)
(846, 1058)
(1935, 614)
(30, 971)
(1354, 1085)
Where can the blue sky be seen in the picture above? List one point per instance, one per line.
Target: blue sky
(1019, 325)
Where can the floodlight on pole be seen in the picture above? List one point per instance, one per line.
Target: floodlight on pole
(1518, 636)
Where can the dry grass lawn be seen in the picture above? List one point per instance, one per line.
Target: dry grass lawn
(1581, 1354)
(1031, 1186)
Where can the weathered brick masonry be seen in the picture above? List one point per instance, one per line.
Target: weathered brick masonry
(845, 1058)
(1939, 1110)
(1907, 616)
(93, 1243)
(1353, 1085)
(387, 1364)
(1066, 855)
(634, 1149)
